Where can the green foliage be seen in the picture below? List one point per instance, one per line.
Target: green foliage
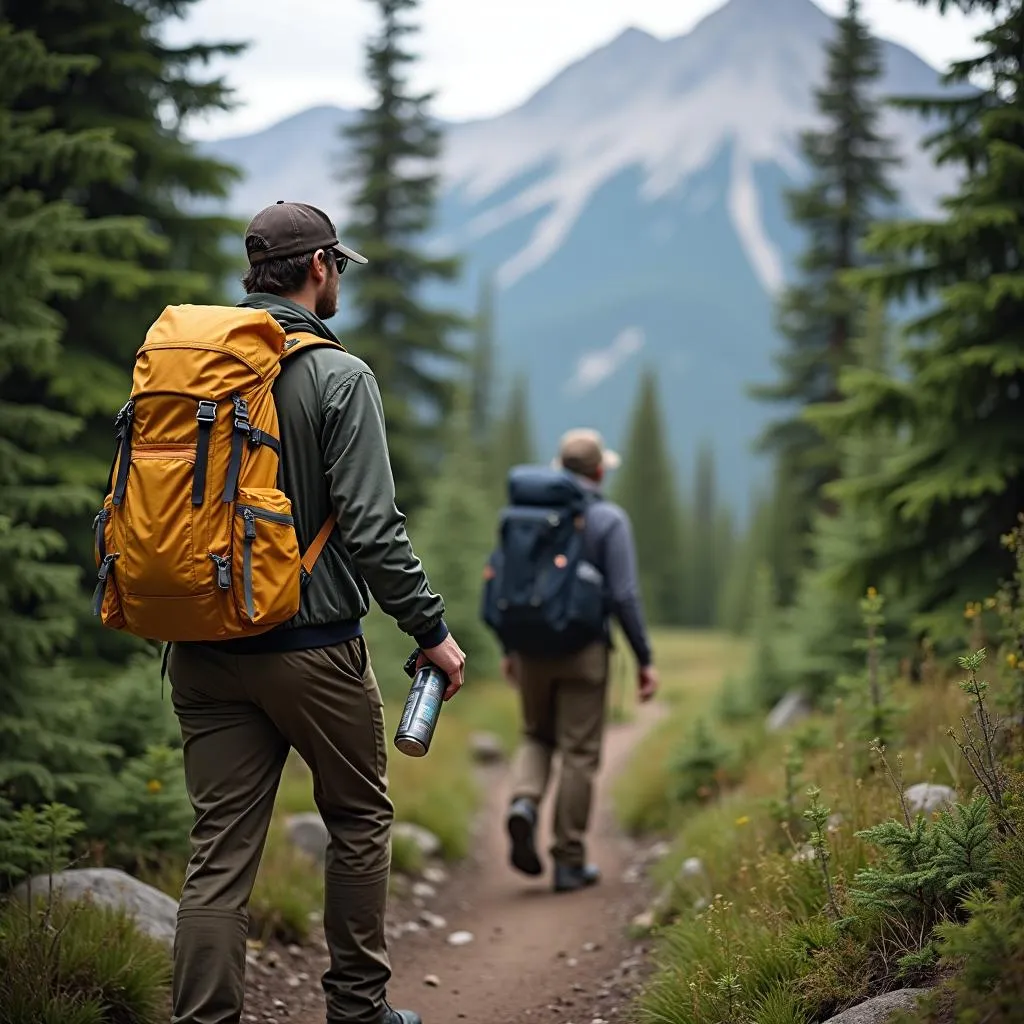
(645, 487)
(395, 145)
(849, 163)
(455, 533)
(699, 766)
(767, 679)
(127, 93)
(512, 443)
(953, 485)
(79, 964)
(34, 840)
(929, 866)
(45, 745)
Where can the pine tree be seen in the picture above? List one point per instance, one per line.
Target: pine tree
(849, 162)
(954, 485)
(456, 531)
(144, 90)
(645, 487)
(703, 569)
(514, 443)
(395, 148)
(45, 751)
(482, 368)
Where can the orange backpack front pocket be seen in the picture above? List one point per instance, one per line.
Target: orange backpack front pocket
(106, 597)
(159, 558)
(265, 565)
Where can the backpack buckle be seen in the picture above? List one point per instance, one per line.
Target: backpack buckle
(207, 412)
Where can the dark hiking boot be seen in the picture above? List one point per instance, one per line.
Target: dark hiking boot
(569, 879)
(401, 1017)
(522, 827)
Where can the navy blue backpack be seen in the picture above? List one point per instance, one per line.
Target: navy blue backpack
(540, 596)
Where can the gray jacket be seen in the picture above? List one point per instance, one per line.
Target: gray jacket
(334, 459)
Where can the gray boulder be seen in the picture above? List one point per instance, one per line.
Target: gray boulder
(486, 748)
(927, 797)
(309, 834)
(153, 911)
(881, 1008)
(793, 708)
(425, 840)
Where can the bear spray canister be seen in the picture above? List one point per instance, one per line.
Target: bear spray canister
(422, 709)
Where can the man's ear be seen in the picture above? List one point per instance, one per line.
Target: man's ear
(318, 269)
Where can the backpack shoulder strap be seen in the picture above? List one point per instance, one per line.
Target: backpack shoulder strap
(300, 342)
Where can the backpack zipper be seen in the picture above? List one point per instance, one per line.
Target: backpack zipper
(250, 514)
(223, 564)
(101, 585)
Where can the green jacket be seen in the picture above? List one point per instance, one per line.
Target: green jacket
(334, 458)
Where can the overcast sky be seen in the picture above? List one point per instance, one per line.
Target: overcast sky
(481, 56)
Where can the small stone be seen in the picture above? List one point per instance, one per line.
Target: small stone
(571, 962)
(435, 875)
(432, 920)
(251, 1018)
(424, 840)
(590, 947)
(692, 867)
(486, 748)
(272, 958)
(432, 980)
(294, 982)
(279, 1004)
(252, 960)
(294, 950)
(632, 875)
(927, 797)
(411, 926)
(460, 938)
(644, 922)
(302, 976)
(424, 891)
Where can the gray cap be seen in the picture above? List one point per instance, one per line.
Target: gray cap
(292, 229)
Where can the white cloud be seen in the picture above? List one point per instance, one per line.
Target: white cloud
(482, 56)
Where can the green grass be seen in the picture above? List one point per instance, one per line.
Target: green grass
(79, 964)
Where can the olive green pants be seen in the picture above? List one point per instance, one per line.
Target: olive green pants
(239, 717)
(563, 707)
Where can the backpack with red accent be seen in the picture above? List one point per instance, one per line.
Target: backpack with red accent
(195, 541)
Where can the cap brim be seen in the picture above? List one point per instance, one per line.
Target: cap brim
(350, 253)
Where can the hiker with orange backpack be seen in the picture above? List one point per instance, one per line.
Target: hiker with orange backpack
(250, 515)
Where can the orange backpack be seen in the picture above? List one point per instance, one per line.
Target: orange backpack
(195, 542)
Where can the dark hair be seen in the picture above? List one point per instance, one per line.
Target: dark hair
(278, 277)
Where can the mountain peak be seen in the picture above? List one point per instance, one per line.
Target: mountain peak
(748, 14)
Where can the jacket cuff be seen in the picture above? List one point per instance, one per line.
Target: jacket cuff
(432, 637)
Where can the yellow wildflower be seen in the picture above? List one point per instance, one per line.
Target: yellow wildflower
(1011, 660)
(154, 785)
(872, 592)
(744, 820)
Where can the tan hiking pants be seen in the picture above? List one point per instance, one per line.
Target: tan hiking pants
(239, 715)
(563, 706)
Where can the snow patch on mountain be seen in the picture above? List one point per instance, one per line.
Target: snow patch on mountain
(592, 368)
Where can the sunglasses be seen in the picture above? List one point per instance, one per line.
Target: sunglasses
(340, 259)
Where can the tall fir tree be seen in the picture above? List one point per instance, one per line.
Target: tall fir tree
(955, 484)
(645, 486)
(45, 747)
(514, 443)
(482, 418)
(849, 164)
(703, 543)
(395, 147)
(144, 91)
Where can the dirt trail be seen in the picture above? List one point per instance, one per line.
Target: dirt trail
(536, 956)
(531, 946)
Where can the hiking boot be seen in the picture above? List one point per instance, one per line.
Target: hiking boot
(569, 878)
(401, 1017)
(522, 827)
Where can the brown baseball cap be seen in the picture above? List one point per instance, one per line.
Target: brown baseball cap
(583, 451)
(292, 229)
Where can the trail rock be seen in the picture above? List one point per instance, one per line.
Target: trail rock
(460, 938)
(878, 1010)
(435, 875)
(692, 867)
(153, 911)
(433, 920)
(424, 891)
(793, 708)
(644, 922)
(928, 797)
(486, 748)
(308, 833)
(425, 840)
(432, 981)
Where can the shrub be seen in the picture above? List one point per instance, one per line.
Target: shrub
(76, 963)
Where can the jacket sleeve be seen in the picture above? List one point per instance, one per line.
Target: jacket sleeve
(624, 586)
(362, 487)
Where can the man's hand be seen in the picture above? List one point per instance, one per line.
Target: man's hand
(647, 683)
(508, 669)
(450, 659)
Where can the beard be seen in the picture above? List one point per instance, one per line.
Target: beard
(327, 299)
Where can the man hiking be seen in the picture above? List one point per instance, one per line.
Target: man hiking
(565, 563)
(306, 684)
